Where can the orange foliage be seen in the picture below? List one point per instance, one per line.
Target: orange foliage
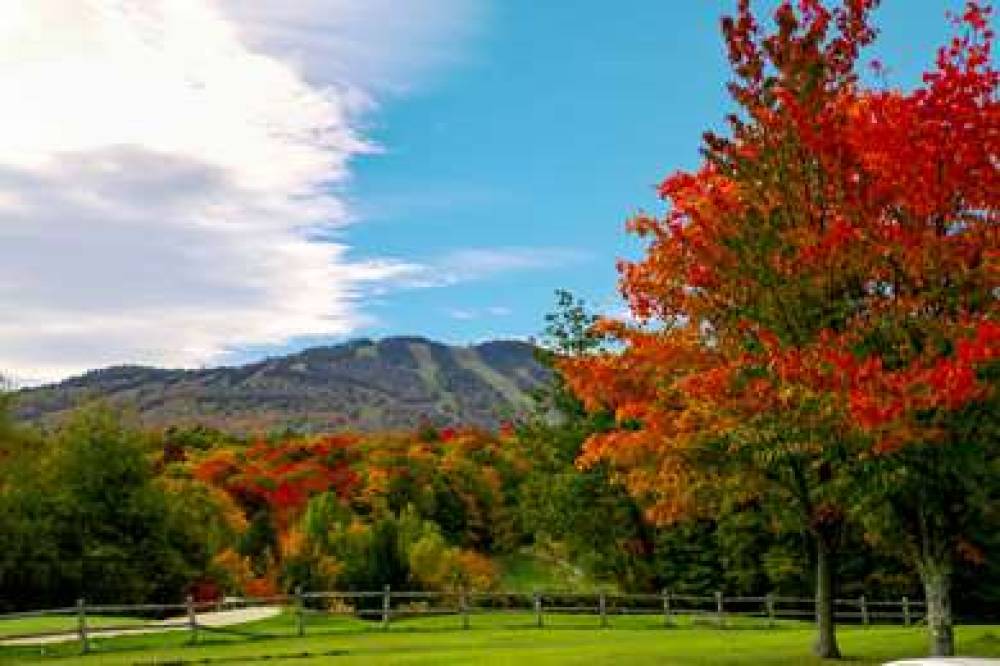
(262, 587)
(282, 475)
(476, 571)
(275, 481)
(235, 565)
(833, 266)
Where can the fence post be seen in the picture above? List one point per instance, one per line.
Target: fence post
(864, 611)
(906, 611)
(81, 625)
(538, 610)
(666, 607)
(192, 618)
(770, 610)
(300, 612)
(386, 598)
(718, 609)
(463, 606)
(603, 604)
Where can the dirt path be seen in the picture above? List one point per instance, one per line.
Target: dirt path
(209, 619)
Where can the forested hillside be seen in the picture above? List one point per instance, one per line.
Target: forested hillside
(360, 385)
(101, 509)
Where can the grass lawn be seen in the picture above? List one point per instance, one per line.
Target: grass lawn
(59, 623)
(527, 572)
(523, 572)
(506, 639)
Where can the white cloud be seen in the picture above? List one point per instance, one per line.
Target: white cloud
(162, 165)
(462, 314)
(483, 263)
(374, 44)
(470, 314)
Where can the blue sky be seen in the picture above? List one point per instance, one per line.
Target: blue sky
(193, 182)
(551, 131)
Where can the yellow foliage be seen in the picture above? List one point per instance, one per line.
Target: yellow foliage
(291, 542)
(234, 564)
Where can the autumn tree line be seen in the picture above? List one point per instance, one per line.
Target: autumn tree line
(803, 398)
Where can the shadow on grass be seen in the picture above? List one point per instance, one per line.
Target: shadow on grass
(242, 659)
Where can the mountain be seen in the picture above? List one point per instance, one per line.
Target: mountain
(393, 383)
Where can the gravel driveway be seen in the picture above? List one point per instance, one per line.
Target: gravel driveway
(209, 619)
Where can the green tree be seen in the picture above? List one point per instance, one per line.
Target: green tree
(934, 505)
(601, 526)
(88, 519)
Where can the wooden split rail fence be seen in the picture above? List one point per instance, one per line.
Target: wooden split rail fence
(386, 606)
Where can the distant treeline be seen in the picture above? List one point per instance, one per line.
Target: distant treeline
(100, 509)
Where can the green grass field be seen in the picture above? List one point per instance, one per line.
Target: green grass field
(501, 639)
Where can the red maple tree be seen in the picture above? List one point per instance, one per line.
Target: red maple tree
(827, 281)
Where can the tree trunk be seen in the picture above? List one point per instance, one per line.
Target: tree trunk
(826, 636)
(936, 578)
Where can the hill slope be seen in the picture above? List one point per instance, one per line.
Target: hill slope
(393, 383)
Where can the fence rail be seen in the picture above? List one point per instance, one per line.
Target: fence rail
(84, 622)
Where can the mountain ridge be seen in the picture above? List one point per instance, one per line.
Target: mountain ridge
(393, 383)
